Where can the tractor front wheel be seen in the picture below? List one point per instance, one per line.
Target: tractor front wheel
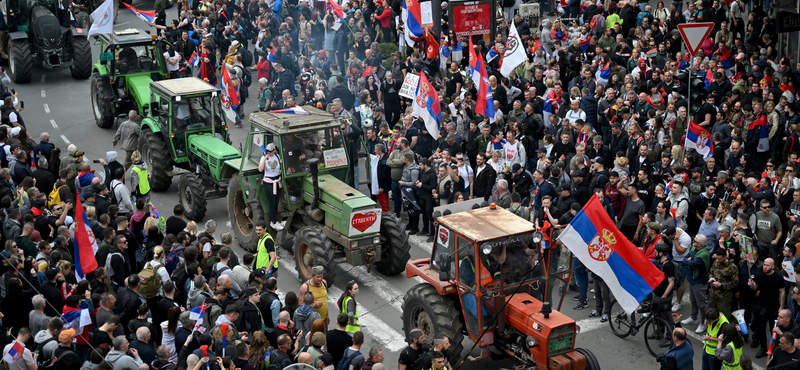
(313, 248)
(395, 252)
(243, 216)
(158, 158)
(81, 67)
(591, 359)
(102, 106)
(434, 314)
(193, 196)
(19, 61)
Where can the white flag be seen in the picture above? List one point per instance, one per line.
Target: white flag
(515, 51)
(103, 18)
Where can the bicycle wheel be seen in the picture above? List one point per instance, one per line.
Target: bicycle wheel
(621, 322)
(658, 336)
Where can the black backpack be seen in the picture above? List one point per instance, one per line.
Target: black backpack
(215, 274)
(417, 365)
(247, 58)
(247, 78)
(345, 363)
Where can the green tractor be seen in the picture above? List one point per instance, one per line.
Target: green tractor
(35, 36)
(129, 61)
(325, 218)
(185, 130)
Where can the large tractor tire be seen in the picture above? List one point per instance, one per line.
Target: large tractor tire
(434, 314)
(158, 158)
(308, 241)
(395, 252)
(81, 67)
(102, 106)
(591, 359)
(82, 20)
(243, 216)
(19, 61)
(192, 195)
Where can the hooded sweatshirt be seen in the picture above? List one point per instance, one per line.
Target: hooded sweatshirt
(111, 167)
(47, 350)
(304, 317)
(119, 360)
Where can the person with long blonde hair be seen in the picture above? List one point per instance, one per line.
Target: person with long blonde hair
(724, 215)
(259, 350)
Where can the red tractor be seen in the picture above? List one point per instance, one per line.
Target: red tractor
(491, 276)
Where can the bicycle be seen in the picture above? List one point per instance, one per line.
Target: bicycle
(657, 332)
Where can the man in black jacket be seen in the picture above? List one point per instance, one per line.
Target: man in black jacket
(485, 177)
(426, 184)
(250, 319)
(285, 80)
(341, 91)
(52, 294)
(128, 301)
(120, 267)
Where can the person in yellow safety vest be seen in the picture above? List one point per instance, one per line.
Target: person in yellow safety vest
(319, 288)
(438, 361)
(730, 350)
(265, 250)
(140, 182)
(714, 322)
(347, 304)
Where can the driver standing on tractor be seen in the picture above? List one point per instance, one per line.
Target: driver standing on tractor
(270, 165)
(489, 273)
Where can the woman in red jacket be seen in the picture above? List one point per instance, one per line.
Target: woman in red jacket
(385, 17)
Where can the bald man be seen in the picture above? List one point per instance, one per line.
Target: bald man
(678, 357)
(146, 352)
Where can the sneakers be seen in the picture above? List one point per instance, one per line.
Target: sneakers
(594, 313)
(430, 239)
(604, 318)
(581, 305)
(276, 225)
(592, 291)
(700, 329)
(676, 306)
(689, 321)
(576, 297)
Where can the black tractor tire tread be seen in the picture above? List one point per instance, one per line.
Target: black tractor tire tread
(247, 242)
(199, 205)
(322, 249)
(399, 253)
(444, 311)
(21, 52)
(106, 106)
(591, 359)
(161, 159)
(81, 67)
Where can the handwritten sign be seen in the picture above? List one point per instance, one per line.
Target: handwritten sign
(427, 14)
(258, 140)
(335, 158)
(409, 88)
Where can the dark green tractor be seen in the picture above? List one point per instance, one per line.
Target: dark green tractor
(35, 35)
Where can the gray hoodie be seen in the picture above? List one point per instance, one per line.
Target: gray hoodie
(47, 350)
(410, 175)
(304, 317)
(120, 360)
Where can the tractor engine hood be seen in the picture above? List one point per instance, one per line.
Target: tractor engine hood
(348, 210)
(139, 87)
(523, 312)
(47, 28)
(212, 148)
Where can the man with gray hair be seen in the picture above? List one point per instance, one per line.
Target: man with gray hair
(199, 293)
(142, 344)
(264, 94)
(128, 136)
(162, 362)
(118, 357)
(43, 149)
(503, 195)
(37, 319)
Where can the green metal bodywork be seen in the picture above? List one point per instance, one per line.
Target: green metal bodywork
(215, 152)
(138, 86)
(338, 200)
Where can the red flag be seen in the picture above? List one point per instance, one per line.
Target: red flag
(337, 10)
(85, 244)
(432, 50)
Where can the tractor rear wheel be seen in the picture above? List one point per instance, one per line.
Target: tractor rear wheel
(102, 107)
(192, 195)
(158, 158)
(19, 61)
(313, 248)
(81, 66)
(243, 216)
(395, 252)
(434, 314)
(591, 359)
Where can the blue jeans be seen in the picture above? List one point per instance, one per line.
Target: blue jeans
(581, 277)
(398, 198)
(710, 362)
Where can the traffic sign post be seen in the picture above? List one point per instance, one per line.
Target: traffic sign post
(693, 34)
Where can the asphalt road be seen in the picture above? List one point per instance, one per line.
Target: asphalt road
(61, 106)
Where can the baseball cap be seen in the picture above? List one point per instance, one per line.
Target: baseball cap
(377, 109)
(260, 273)
(655, 226)
(66, 335)
(723, 174)
(516, 167)
(326, 357)
(77, 154)
(51, 274)
(740, 56)
(599, 160)
(89, 192)
(565, 187)
(235, 43)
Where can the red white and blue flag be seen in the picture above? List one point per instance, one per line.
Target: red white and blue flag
(412, 18)
(230, 95)
(760, 124)
(426, 104)
(294, 110)
(593, 238)
(603, 74)
(14, 353)
(551, 104)
(491, 54)
(149, 16)
(197, 314)
(77, 318)
(585, 41)
(699, 138)
(194, 60)
(727, 60)
(85, 243)
(484, 102)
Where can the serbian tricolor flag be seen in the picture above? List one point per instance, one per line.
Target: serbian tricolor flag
(149, 16)
(230, 95)
(550, 106)
(484, 102)
(685, 62)
(85, 243)
(294, 110)
(412, 18)
(603, 74)
(77, 318)
(337, 10)
(491, 54)
(585, 41)
(426, 104)
(593, 238)
(727, 61)
(197, 314)
(699, 138)
(760, 123)
(194, 60)
(432, 47)
(14, 353)
(537, 46)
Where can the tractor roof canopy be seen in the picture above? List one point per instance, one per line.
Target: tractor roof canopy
(485, 224)
(284, 123)
(182, 87)
(129, 36)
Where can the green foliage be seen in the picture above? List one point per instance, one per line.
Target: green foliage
(387, 49)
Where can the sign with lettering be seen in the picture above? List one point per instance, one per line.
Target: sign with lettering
(335, 158)
(365, 221)
(471, 18)
(409, 88)
(427, 14)
(788, 22)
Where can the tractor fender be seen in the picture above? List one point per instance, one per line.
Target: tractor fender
(100, 69)
(79, 32)
(150, 124)
(18, 35)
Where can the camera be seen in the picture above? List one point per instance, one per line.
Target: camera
(96, 161)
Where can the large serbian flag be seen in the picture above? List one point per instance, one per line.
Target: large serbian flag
(149, 16)
(700, 139)
(593, 238)
(85, 243)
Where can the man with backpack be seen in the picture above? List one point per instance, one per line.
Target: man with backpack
(352, 358)
(118, 357)
(416, 349)
(27, 359)
(117, 265)
(221, 268)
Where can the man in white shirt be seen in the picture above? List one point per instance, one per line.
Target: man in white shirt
(23, 360)
(466, 173)
(513, 151)
(575, 113)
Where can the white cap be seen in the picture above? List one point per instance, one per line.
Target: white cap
(15, 131)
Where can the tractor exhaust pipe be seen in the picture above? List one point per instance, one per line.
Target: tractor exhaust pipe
(312, 166)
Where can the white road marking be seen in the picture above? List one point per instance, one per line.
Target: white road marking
(44, 95)
(65, 139)
(122, 24)
(53, 123)
(391, 339)
(46, 108)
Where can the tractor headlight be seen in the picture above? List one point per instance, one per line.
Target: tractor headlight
(537, 237)
(530, 341)
(577, 329)
(376, 240)
(486, 248)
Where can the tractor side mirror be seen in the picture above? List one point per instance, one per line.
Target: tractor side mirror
(444, 267)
